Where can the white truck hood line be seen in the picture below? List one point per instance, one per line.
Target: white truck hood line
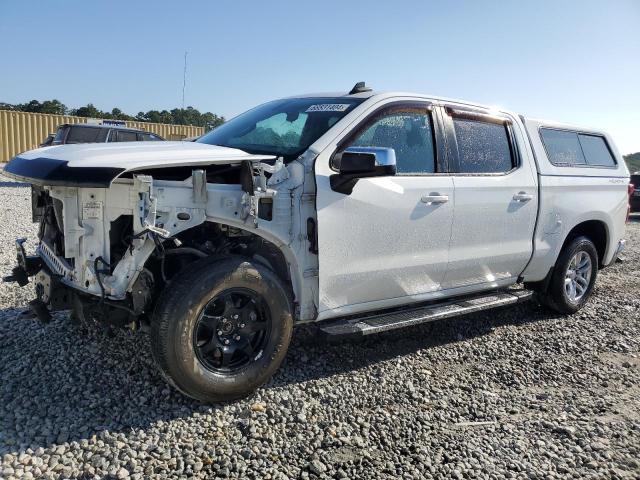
(139, 155)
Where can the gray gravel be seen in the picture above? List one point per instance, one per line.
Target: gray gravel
(513, 393)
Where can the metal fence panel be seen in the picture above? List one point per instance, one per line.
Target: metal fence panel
(21, 131)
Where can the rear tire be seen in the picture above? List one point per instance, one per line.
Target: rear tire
(221, 329)
(573, 277)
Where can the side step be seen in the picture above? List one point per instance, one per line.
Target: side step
(369, 324)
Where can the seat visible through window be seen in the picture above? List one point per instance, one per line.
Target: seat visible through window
(409, 133)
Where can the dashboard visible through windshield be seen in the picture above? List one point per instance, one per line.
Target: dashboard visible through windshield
(284, 128)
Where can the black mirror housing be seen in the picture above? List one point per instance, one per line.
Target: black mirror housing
(361, 162)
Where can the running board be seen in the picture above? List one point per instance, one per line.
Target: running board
(367, 325)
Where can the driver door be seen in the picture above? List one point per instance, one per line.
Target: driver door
(386, 243)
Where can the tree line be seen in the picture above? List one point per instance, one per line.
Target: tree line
(177, 116)
(633, 162)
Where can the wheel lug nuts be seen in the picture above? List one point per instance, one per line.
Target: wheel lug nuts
(237, 337)
(226, 342)
(242, 325)
(219, 333)
(235, 317)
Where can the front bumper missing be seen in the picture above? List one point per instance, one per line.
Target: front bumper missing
(28, 265)
(47, 287)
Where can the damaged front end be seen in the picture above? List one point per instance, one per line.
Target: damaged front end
(106, 254)
(28, 266)
(93, 245)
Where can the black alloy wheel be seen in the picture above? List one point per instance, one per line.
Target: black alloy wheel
(231, 331)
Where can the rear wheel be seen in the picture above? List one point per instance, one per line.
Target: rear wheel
(573, 277)
(222, 329)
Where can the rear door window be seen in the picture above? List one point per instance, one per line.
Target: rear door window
(86, 135)
(125, 136)
(483, 147)
(147, 137)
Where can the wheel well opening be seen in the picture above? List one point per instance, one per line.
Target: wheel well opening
(596, 231)
(214, 239)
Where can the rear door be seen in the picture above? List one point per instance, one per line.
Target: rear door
(387, 242)
(496, 200)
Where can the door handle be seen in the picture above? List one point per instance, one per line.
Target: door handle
(435, 198)
(522, 197)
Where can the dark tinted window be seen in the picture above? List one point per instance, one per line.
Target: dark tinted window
(86, 135)
(59, 138)
(124, 136)
(409, 133)
(596, 151)
(567, 148)
(147, 137)
(563, 147)
(483, 147)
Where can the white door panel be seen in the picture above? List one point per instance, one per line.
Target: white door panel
(492, 230)
(383, 241)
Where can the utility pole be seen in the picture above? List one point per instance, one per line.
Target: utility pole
(184, 78)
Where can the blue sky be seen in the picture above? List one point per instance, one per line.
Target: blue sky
(573, 61)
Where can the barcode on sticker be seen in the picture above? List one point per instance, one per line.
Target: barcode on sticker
(328, 107)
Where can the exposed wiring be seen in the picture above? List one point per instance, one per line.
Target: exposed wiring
(98, 272)
(161, 255)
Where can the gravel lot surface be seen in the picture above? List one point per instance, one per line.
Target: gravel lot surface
(512, 393)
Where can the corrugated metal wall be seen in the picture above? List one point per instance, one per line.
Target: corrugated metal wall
(21, 131)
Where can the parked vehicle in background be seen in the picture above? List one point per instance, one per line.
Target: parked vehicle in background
(634, 200)
(364, 211)
(87, 133)
(48, 141)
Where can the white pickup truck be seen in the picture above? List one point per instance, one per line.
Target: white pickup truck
(363, 211)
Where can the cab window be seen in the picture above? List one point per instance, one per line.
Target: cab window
(409, 131)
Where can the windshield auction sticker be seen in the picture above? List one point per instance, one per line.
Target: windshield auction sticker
(328, 107)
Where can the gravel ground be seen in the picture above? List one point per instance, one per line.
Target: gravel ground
(512, 393)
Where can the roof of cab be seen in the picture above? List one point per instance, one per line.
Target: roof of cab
(391, 94)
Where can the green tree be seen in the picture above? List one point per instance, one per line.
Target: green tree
(48, 106)
(118, 114)
(633, 162)
(88, 111)
(177, 116)
(54, 107)
(192, 116)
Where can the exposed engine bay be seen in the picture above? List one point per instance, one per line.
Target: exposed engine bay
(107, 254)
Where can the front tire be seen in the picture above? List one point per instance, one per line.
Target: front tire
(573, 277)
(221, 329)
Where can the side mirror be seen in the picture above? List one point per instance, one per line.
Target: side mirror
(361, 162)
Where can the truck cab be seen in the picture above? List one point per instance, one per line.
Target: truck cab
(361, 211)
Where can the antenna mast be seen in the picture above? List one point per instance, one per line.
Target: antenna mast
(184, 78)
